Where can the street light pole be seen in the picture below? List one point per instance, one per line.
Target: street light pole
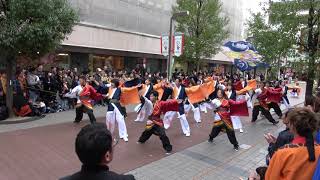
(170, 47)
(171, 32)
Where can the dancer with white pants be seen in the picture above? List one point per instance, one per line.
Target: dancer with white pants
(179, 93)
(231, 94)
(145, 108)
(196, 110)
(115, 112)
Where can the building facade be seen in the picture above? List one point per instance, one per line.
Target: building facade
(120, 34)
(124, 34)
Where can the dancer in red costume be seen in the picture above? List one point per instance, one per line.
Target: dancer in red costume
(86, 95)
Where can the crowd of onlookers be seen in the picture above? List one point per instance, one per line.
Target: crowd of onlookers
(45, 90)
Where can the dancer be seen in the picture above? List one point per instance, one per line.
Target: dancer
(231, 94)
(285, 94)
(145, 108)
(260, 104)
(180, 93)
(155, 123)
(115, 112)
(274, 104)
(196, 110)
(86, 94)
(222, 119)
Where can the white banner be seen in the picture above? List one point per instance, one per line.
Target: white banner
(178, 44)
(165, 45)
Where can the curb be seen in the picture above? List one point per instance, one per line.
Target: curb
(22, 120)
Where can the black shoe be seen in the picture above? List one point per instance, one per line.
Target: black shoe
(236, 147)
(210, 140)
(76, 122)
(253, 121)
(275, 122)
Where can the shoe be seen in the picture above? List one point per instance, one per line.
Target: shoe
(126, 139)
(168, 152)
(275, 122)
(138, 142)
(210, 140)
(137, 120)
(241, 130)
(76, 122)
(236, 148)
(188, 135)
(199, 121)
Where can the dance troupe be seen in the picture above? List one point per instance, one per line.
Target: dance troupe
(227, 100)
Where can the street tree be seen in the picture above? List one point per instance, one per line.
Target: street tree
(204, 28)
(32, 28)
(292, 25)
(273, 42)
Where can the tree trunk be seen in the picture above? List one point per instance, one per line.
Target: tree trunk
(310, 76)
(11, 66)
(313, 36)
(279, 64)
(198, 65)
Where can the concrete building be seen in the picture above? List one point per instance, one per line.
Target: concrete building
(123, 34)
(234, 10)
(120, 34)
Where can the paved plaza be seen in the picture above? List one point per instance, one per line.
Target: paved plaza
(44, 149)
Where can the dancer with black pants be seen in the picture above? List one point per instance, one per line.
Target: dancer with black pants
(155, 123)
(86, 94)
(260, 104)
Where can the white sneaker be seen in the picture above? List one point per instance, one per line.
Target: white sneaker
(126, 139)
(241, 130)
(187, 134)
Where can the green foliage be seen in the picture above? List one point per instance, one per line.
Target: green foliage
(293, 27)
(273, 41)
(204, 28)
(32, 26)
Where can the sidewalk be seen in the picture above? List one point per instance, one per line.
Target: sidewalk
(217, 160)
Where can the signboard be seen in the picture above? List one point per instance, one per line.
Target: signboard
(178, 44)
(165, 45)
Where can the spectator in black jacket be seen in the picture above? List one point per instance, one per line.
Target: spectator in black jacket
(95, 150)
(284, 137)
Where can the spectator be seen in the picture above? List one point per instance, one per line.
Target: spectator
(95, 150)
(3, 84)
(293, 161)
(284, 137)
(33, 85)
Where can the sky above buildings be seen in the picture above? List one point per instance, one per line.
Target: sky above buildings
(252, 6)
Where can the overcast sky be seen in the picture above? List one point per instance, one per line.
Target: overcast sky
(253, 6)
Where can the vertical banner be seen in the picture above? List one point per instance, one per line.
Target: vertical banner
(165, 45)
(178, 44)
